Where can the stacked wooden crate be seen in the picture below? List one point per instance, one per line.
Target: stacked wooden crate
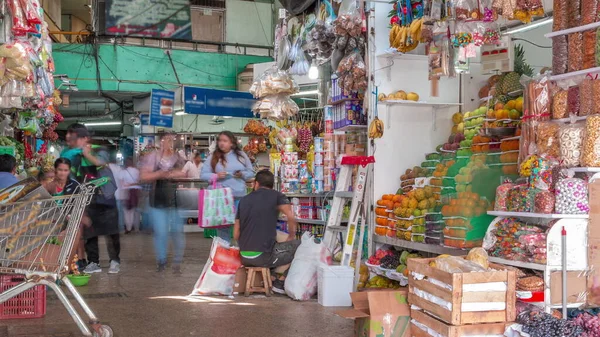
(460, 304)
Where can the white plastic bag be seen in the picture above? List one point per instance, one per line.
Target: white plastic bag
(301, 282)
(218, 275)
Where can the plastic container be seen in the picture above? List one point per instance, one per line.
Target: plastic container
(79, 280)
(29, 304)
(335, 285)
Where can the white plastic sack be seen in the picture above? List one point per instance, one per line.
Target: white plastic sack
(301, 282)
(218, 275)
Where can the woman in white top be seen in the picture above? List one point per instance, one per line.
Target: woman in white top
(128, 194)
(192, 168)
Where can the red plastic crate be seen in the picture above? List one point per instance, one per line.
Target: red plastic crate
(29, 304)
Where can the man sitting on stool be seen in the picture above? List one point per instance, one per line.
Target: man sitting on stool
(256, 227)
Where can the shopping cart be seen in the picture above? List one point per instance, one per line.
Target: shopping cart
(36, 240)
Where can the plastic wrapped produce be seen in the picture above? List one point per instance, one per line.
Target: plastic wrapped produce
(502, 196)
(560, 15)
(573, 101)
(586, 89)
(479, 256)
(467, 10)
(589, 49)
(272, 82)
(559, 105)
(596, 96)
(456, 264)
(589, 9)
(574, 13)
(547, 139)
(352, 73)
(560, 54)
(591, 143)
(506, 8)
(572, 196)
(520, 199)
(544, 202)
(571, 141)
(575, 51)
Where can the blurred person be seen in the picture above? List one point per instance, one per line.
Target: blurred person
(129, 178)
(193, 167)
(8, 169)
(46, 178)
(87, 163)
(230, 167)
(255, 228)
(159, 167)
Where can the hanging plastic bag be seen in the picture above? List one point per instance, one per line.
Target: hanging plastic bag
(590, 156)
(571, 141)
(301, 281)
(218, 275)
(467, 10)
(31, 11)
(19, 23)
(352, 74)
(28, 122)
(349, 20)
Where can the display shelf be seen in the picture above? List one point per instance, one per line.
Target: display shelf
(353, 128)
(419, 103)
(343, 100)
(306, 195)
(538, 215)
(583, 28)
(392, 54)
(518, 264)
(510, 138)
(516, 93)
(571, 120)
(584, 169)
(485, 99)
(307, 221)
(422, 247)
(473, 117)
(344, 194)
(584, 72)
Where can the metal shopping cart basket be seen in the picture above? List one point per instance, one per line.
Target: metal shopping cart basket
(36, 240)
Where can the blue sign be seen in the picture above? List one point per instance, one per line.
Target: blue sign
(215, 102)
(144, 119)
(161, 108)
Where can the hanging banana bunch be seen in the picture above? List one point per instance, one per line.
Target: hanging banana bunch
(376, 128)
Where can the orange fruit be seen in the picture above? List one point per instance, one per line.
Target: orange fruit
(446, 210)
(479, 211)
(453, 202)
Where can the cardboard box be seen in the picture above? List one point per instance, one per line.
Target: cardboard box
(576, 287)
(379, 313)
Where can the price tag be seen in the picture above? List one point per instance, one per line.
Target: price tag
(282, 13)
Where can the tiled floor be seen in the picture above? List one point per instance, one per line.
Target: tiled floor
(141, 302)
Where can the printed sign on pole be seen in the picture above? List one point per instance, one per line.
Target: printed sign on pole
(161, 108)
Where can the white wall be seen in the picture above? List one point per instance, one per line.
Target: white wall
(202, 124)
(410, 132)
(243, 22)
(535, 56)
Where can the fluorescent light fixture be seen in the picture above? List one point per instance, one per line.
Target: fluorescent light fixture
(102, 123)
(227, 117)
(52, 149)
(524, 28)
(306, 93)
(119, 155)
(180, 113)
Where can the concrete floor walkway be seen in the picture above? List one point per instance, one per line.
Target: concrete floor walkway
(141, 302)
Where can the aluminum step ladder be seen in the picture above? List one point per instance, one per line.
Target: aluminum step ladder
(357, 209)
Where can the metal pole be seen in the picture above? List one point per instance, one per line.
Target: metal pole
(564, 272)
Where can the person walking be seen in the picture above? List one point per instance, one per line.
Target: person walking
(158, 168)
(91, 162)
(8, 169)
(128, 191)
(230, 167)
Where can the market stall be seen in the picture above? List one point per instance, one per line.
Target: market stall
(511, 171)
(28, 99)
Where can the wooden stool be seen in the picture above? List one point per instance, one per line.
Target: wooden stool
(250, 278)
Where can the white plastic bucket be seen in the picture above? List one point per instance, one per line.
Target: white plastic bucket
(335, 286)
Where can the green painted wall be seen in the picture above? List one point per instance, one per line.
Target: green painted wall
(132, 68)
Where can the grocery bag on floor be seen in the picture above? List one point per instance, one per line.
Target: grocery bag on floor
(216, 207)
(301, 281)
(218, 275)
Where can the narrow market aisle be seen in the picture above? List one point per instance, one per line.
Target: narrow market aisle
(141, 302)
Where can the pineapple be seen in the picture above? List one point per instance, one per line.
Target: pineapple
(502, 98)
(521, 66)
(511, 82)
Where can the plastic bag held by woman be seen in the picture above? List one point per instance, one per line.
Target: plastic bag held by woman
(218, 275)
(301, 281)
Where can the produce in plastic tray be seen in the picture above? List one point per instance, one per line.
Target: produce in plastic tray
(461, 243)
(433, 217)
(572, 196)
(571, 140)
(591, 145)
(380, 230)
(433, 240)
(417, 238)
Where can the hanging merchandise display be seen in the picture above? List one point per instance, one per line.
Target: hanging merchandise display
(28, 99)
(273, 90)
